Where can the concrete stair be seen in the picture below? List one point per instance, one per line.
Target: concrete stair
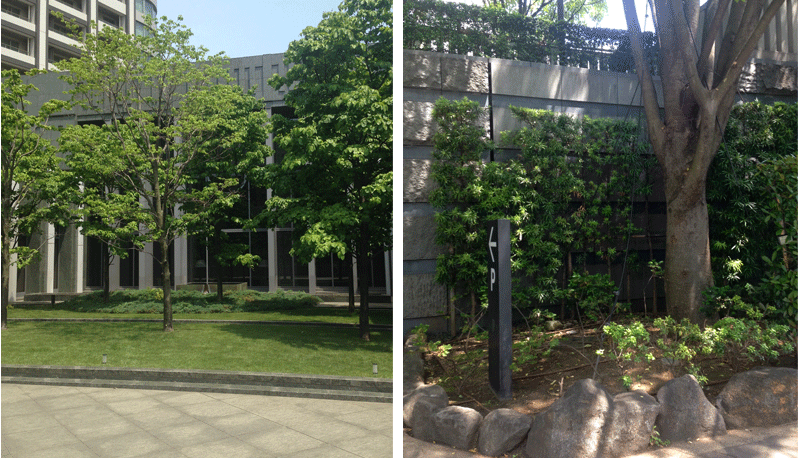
(306, 386)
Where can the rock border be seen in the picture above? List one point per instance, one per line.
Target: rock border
(587, 421)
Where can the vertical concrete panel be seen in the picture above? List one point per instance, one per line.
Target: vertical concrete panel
(460, 74)
(416, 180)
(422, 297)
(421, 70)
(71, 265)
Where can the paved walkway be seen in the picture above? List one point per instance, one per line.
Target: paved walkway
(64, 422)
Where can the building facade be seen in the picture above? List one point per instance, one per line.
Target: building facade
(32, 37)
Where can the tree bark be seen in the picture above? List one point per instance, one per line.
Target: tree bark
(167, 286)
(6, 291)
(363, 283)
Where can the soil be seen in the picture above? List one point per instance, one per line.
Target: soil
(536, 386)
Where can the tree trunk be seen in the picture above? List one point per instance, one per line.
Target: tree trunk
(351, 283)
(363, 283)
(688, 271)
(6, 291)
(167, 286)
(216, 254)
(106, 271)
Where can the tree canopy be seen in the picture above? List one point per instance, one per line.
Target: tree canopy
(155, 91)
(30, 175)
(332, 177)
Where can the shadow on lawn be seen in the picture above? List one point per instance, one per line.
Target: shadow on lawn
(313, 337)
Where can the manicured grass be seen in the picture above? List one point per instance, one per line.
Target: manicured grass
(238, 347)
(316, 314)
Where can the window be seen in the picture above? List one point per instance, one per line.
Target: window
(55, 55)
(76, 4)
(146, 7)
(15, 42)
(17, 9)
(108, 17)
(60, 26)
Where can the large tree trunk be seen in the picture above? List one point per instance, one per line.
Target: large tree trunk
(687, 259)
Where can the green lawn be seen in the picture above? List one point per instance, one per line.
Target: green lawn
(238, 347)
(316, 314)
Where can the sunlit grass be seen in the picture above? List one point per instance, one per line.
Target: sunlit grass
(314, 350)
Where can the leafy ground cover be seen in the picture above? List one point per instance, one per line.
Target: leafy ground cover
(545, 364)
(284, 348)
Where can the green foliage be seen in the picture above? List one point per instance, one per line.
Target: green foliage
(679, 344)
(31, 175)
(156, 89)
(147, 301)
(567, 190)
(738, 340)
(593, 295)
(751, 191)
(655, 440)
(530, 347)
(423, 344)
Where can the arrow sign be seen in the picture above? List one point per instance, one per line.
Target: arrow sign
(491, 244)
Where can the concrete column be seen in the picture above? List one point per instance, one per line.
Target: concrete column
(180, 269)
(271, 237)
(312, 276)
(41, 34)
(12, 279)
(145, 267)
(114, 274)
(40, 274)
(387, 257)
(71, 266)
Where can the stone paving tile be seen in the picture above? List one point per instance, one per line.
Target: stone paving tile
(188, 434)
(230, 447)
(31, 422)
(367, 446)
(127, 445)
(110, 422)
(242, 423)
(281, 442)
(210, 409)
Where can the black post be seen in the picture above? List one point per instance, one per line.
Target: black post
(500, 335)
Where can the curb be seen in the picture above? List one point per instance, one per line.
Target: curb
(296, 385)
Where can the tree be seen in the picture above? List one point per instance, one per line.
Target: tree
(30, 175)
(334, 182)
(572, 11)
(241, 141)
(700, 73)
(100, 207)
(154, 89)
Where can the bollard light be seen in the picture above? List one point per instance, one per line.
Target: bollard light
(105, 358)
(374, 368)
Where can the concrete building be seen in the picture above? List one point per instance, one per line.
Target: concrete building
(34, 38)
(70, 262)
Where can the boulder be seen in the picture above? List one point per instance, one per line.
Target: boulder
(413, 370)
(633, 417)
(763, 396)
(502, 430)
(457, 426)
(573, 425)
(685, 411)
(422, 421)
(433, 394)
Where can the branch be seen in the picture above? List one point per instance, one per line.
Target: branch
(736, 67)
(697, 87)
(655, 125)
(706, 65)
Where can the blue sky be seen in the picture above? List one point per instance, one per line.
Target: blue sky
(246, 27)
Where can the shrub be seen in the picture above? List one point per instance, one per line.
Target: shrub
(737, 340)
